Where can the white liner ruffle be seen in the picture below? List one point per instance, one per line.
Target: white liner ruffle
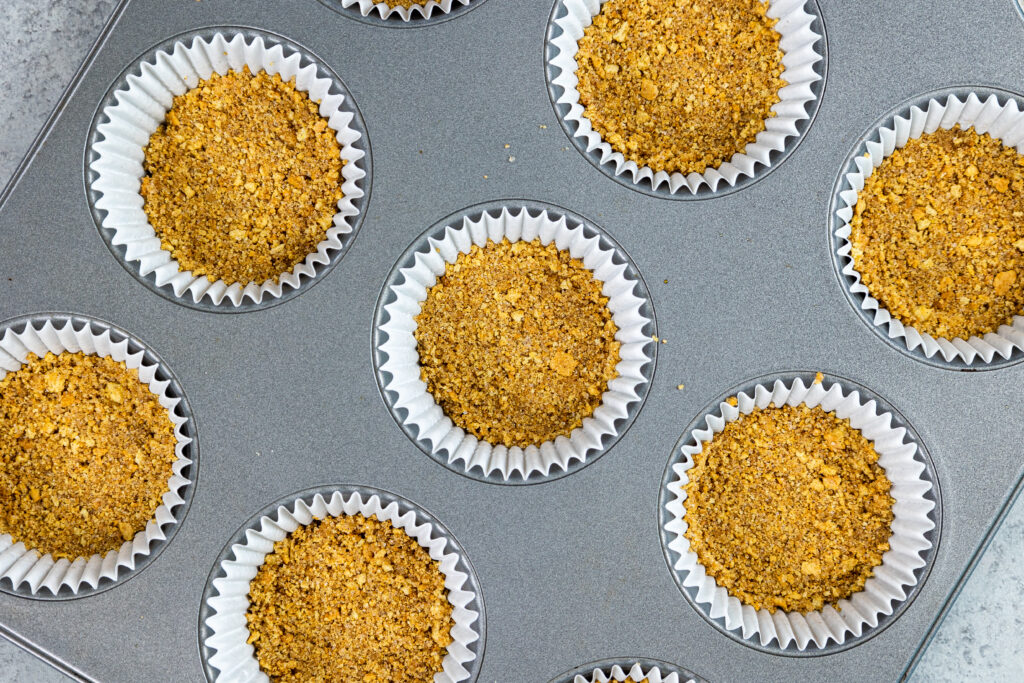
(432, 426)
(236, 660)
(800, 55)
(892, 579)
(385, 11)
(27, 567)
(637, 672)
(1004, 122)
(140, 109)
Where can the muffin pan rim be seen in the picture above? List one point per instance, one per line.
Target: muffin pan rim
(191, 451)
(306, 56)
(921, 574)
(324, 490)
(419, 243)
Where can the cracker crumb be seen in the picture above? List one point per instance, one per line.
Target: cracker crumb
(935, 233)
(349, 598)
(818, 378)
(516, 342)
(788, 508)
(680, 86)
(243, 178)
(86, 454)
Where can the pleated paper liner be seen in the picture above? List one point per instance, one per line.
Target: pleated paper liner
(396, 358)
(617, 670)
(29, 573)
(224, 630)
(381, 13)
(805, 59)
(988, 110)
(135, 107)
(915, 527)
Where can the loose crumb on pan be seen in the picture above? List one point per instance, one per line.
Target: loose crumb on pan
(938, 234)
(516, 342)
(788, 509)
(680, 86)
(243, 178)
(349, 598)
(86, 453)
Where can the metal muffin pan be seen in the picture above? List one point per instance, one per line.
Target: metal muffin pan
(286, 399)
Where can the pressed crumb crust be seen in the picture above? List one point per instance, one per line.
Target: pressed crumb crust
(349, 598)
(516, 342)
(788, 509)
(680, 86)
(243, 178)
(938, 234)
(86, 453)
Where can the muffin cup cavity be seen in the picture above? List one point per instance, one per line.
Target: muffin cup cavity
(136, 106)
(223, 626)
(415, 14)
(396, 358)
(915, 525)
(617, 670)
(804, 59)
(998, 113)
(27, 572)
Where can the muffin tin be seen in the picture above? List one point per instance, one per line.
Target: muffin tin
(286, 398)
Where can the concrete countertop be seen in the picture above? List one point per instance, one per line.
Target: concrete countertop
(44, 42)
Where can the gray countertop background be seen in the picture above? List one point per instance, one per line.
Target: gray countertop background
(43, 42)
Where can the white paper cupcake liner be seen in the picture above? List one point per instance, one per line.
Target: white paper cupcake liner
(35, 574)
(426, 11)
(134, 112)
(420, 414)
(802, 47)
(892, 579)
(611, 671)
(227, 597)
(986, 114)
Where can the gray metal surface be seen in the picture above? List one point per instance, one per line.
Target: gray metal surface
(571, 570)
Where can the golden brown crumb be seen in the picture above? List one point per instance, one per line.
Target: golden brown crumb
(938, 234)
(244, 178)
(680, 86)
(788, 509)
(86, 453)
(349, 598)
(818, 378)
(516, 342)
(405, 3)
